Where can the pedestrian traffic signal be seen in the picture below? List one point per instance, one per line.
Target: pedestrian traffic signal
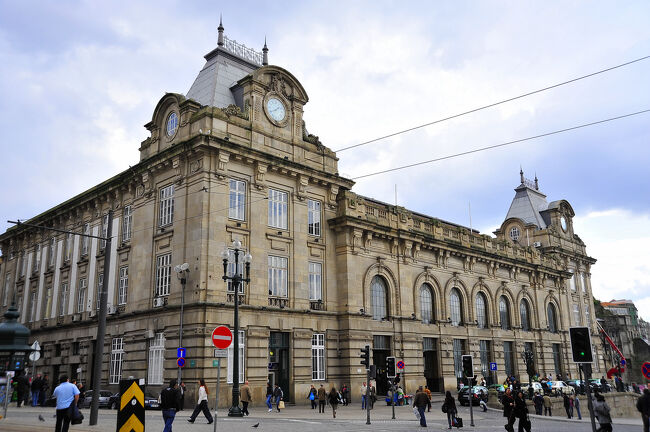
(581, 344)
(468, 366)
(365, 356)
(391, 371)
(373, 372)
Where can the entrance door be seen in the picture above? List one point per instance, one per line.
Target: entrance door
(432, 364)
(279, 361)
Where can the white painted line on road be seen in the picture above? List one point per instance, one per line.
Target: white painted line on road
(301, 421)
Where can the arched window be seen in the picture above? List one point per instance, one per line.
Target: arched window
(504, 313)
(481, 310)
(552, 318)
(523, 313)
(426, 303)
(378, 298)
(455, 307)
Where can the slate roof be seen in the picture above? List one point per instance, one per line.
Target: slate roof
(527, 205)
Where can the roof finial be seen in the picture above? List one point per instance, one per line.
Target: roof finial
(265, 51)
(220, 30)
(521, 174)
(536, 182)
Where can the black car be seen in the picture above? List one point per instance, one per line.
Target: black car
(479, 393)
(150, 401)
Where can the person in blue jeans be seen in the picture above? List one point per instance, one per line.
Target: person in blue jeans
(576, 406)
(269, 395)
(170, 403)
(66, 394)
(421, 401)
(278, 394)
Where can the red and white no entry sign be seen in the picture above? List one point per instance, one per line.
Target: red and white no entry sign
(222, 337)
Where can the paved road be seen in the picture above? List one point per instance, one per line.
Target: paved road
(349, 419)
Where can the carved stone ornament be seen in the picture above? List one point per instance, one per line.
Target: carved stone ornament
(306, 136)
(278, 84)
(196, 165)
(234, 111)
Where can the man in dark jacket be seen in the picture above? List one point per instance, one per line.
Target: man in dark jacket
(421, 401)
(508, 405)
(643, 405)
(22, 388)
(170, 403)
(37, 383)
(322, 399)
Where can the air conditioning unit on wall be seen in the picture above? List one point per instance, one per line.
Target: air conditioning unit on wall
(537, 244)
(158, 302)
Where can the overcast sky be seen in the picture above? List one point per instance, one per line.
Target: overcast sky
(79, 79)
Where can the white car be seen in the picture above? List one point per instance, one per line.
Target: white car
(537, 387)
(560, 387)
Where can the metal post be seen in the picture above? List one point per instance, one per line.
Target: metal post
(6, 396)
(235, 411)
(368, 395)
(101, 324)
(471, 402)
(216, 402)
(590, 405)
(392, 387)
(180, 331)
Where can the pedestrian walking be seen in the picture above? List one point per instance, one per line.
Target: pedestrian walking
(643, 405)
(428, 392)
(576, 406)
(601, 410)
(45, 387)
(202, 404)
(333, 399)
(538, 401)
(66, 395)
(22, 388)
(313, 396)
(170, 403)
(245, 397)
(567, 404)
(37, 383)
(269, 396)
(449, 407)
(278, 394)
(548, 405)
(508, 402)
(322, 399)
(181, 388)
(364, 395)
(420, 402)
(520, 411)
(372, 395)
(345, 395)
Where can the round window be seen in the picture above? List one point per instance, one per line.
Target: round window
(172, 124)
(514, 233)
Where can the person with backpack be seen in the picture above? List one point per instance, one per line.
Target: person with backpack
(333, 399)
(322, 399)
(602, 412)
(643, 405)
(449, 407)
(312, 396)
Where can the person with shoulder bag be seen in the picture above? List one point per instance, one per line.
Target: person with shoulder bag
(278, 394)
(202, 404)
(312, 395)
(66, 395)
(333, 399)
(602, 413)
(449, 407)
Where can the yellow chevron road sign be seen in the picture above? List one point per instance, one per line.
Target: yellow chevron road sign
(130, 417)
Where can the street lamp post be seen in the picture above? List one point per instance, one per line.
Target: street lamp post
(237, 280)
(181, 272)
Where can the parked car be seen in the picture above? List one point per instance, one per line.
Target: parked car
(560, 387)
(150, 401)
(578, 386)
(478, 393)
(104, 399)
(597, 385)
(537, 387)
(499, 389)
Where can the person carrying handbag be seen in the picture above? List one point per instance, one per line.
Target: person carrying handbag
(449, 407)
(66, 395)
(202, 404)
(312, 396)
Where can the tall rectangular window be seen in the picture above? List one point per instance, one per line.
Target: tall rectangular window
(102, 243)
(51, 254)
(576, 314)
(163, 274)
(484, 354)
(156, 359)
(100, 288)
(166, 216)
(318, 357)
(459, 347)
(588, 315)
(67, 249)
(85, 239)
(242, 345)
(278, 267)
(583, 282)
(22, 266)
(127, 223)
(37, 258)
(572, 282)
(315, 284)
(117, 355)
(32, 307)
(47, 306)
(313, 217)
(81, 295)
(237, 199)
(63, 303)
(5, 292)
(278, 209)
(557, 359)
(508, 358)
(123, 287)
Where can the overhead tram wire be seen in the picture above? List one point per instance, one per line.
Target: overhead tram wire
(492, 104)
(498, 145)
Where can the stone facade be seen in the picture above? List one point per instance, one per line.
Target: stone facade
(331, 272)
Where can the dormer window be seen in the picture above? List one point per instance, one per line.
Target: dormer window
(514, 233)
(563, 223)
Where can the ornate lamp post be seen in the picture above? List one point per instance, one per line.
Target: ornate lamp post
(181, 272)
(237, 280)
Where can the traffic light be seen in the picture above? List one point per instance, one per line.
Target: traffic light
(468, 366)
(365, 356)
(581, 344)
(373, 372)
(391, 371)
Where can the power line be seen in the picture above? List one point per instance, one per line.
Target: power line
(492, 104)
(499, 145)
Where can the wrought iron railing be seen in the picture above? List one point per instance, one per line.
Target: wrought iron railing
(241, 50)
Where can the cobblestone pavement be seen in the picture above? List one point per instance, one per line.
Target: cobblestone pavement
(300, 418)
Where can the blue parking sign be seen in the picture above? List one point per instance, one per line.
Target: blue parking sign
(180, 352)
(493, 366)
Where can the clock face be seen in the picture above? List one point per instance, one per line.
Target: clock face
(276, 109)
(563, 223)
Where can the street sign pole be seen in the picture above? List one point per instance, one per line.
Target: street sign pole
(586, 368)
(216, 402)
(368, 396)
